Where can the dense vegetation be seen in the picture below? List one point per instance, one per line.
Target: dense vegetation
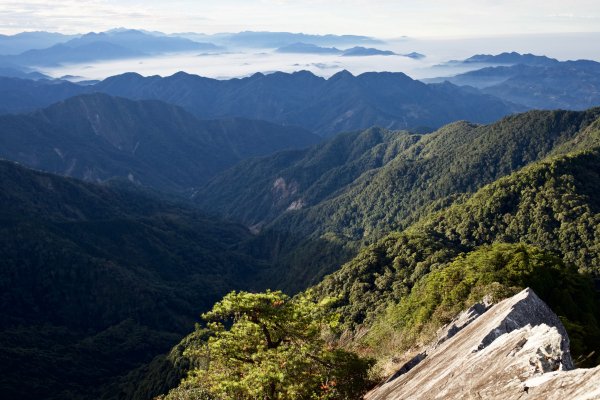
(358, 187)
(493, 272)
(551, 205)
(97, 137)
(258, 190)
(95, 281)
(537, 227)
(113, 276)
(268, 346)
(534, 205)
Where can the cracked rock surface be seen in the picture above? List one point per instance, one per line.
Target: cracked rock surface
(516, 349)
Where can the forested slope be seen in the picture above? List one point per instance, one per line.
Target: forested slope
(97, 280)
(97, 137)
(312, 214)
(550, 207)
(538, 227)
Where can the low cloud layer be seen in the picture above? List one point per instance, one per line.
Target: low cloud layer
(437, 51)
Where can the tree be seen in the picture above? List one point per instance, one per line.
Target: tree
(270, 346)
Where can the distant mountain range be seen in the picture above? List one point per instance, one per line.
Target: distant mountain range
(273, 40)
(414, 55)
(21, 42)
(117, 44)
(325, 106)
(22, 55)
(516, 81)
(67, 53)
(345, 102)
(357, 51)
(307, 48)
(535, 81)
(15, 71)
(39, 49)
(360, 51)
(139, 41)
(97, 138)
(506, 58)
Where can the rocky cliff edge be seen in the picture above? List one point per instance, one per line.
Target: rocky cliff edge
(516, 349)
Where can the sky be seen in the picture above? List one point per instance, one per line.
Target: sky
(378, 18)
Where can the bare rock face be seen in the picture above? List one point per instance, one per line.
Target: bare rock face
(516, 349)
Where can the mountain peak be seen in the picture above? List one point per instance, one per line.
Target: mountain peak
(134, 76)
(343, 74)
(124, 30)
(303, 72)
(181, 74)
(400, 76)
(511, 58)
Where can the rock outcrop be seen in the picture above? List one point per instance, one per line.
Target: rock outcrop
(516, 349)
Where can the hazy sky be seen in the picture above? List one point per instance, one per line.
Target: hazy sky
(381, 18)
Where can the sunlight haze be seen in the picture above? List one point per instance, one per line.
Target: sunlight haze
(384, 18)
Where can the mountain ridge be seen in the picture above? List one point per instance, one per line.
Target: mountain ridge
(299, 199)
(97, 280)
(109, 45)
(97, 137)
(535, 81)
(390, 100)
(343, 102)
(533, 228)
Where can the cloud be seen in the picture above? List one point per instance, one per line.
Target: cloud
(383, 18)
(90, 15)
